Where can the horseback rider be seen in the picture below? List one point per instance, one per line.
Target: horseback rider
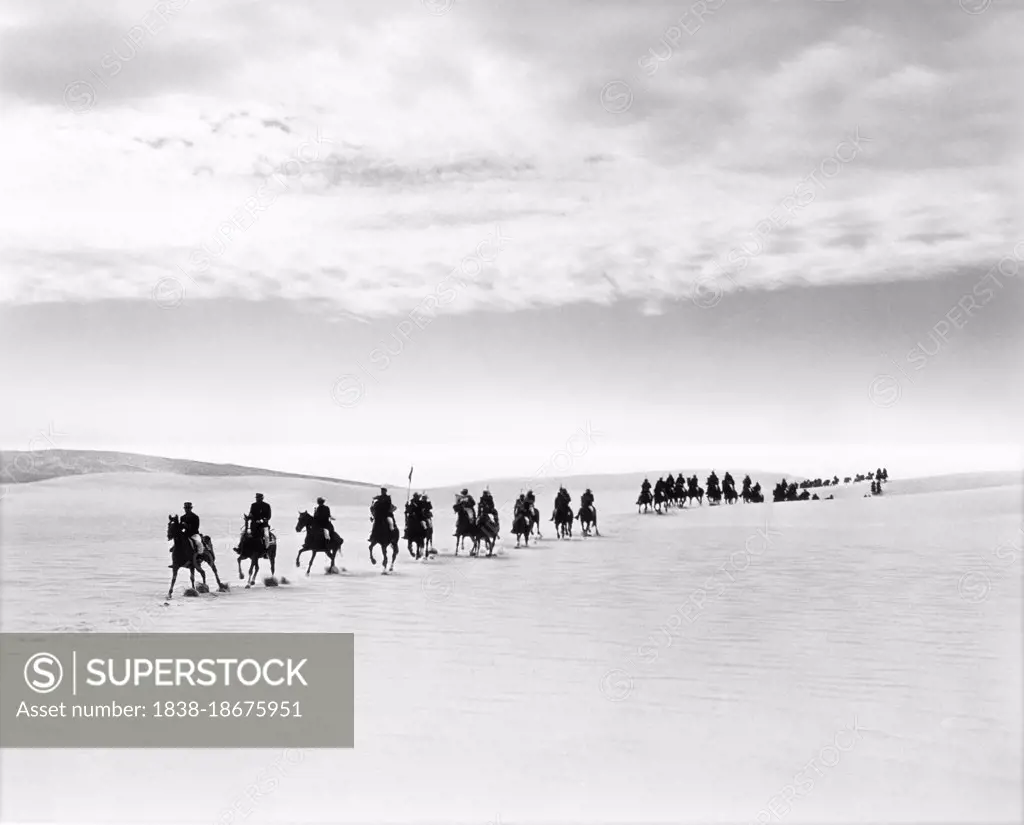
(190, 528)
(487, 505)
(464, 501)
(259, 520)
(531, 501)
(562, 501)
(381, 508)
(646, 486)
(427, 510)
(587, 500)
(322, 519)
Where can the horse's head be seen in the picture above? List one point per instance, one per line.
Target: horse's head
(304, 519)
(173, 527)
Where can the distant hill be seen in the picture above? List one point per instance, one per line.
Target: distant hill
(21, 467)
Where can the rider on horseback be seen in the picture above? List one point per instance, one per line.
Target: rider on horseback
(259, 520)
(190, 528)
(464, 501)
(562, 501)
(587, 499)
(427, 510)
(322, 519)
(487, 506)
(382, 508)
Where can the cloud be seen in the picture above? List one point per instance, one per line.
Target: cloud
(356, 157)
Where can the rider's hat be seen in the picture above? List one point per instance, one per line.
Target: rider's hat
(187, 505)
(465, 491)
(259, 495)
(415, 495)
(383, 489)
(320, 500)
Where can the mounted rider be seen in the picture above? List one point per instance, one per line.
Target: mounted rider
(382, 509)
(427, 510)
(562, 501)
(587, 500)
(259, 520)
(464, 501)
(190, 528)
(322, 519)
(531, 501)
(487, 506)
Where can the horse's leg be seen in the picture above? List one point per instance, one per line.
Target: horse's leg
(273, 561)
(394, 554)
(216, 575)
(174, 578)
(373, 559)
(240, 566)
(312, 558)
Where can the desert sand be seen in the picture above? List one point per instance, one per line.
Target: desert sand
(571, 681)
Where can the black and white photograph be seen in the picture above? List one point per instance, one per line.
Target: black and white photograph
(511, 413)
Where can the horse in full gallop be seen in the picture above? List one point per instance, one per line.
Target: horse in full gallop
(251, 547)
(183, 554)
(419, 534)
(644, 500)
(386, 534)
(695, 491)
(588, 520)
(522, 526)
(563, 518)
(465, 527)
(486, 533)
(316, 542)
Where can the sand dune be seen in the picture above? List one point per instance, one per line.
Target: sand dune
(566, 682)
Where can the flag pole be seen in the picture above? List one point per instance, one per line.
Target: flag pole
(409, 490)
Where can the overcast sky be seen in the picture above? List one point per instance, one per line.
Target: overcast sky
(745, 236)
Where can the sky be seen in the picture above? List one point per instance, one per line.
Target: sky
(350, 238)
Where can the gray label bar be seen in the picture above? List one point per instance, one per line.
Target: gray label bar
(177, 690)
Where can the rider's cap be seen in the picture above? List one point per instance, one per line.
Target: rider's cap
(465, 492)
(383, 489)
(320, 501)
(259, 495)
(187, 504)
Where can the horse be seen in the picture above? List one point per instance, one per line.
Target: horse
(250, 546)
(714, 495)
(533, 516)
(522, 526)
(385, 533)
(694, 491)
(659, 499)
(486, 532)
(465, 526)
(315, 542)
(418, 532)
(644, 500)
(731, 497)
(588, 519)
(183, 554)
(563, 518)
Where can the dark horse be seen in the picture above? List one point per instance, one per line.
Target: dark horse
(522, 525)
(250, 546)
(486, 532)
(420, 533)
(644, 500)
(695, 491)
(183, 555)
(315, 542)
(563, 518)
(731, 496)
(386, 534)
(465, 527)
(588, 520)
